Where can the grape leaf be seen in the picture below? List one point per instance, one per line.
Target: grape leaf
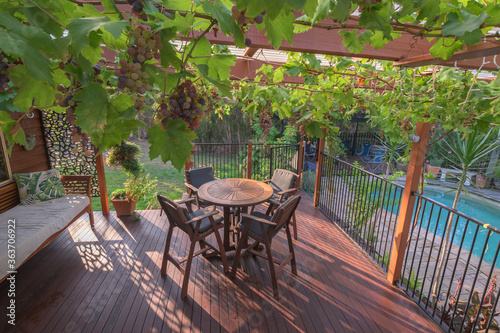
(106, 120)
(378, 40)
(353, 42)
(341, 10)
(323, 10)
(281, 27)
(445, 47)
(472, 37)
(454, 26)
(172, 143)
(221, 13)
(376, 19)
(79, 29)
(219, 66)
(313, 129)
(31, 90)
(313, 61)
(493, 12)
(168, 55)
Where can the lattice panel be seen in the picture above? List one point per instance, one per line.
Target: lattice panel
(59, 145)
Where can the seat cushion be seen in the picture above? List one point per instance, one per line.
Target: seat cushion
(282, 181)
(255, 226)
(35, 223)
(200, 176)
(205, 223)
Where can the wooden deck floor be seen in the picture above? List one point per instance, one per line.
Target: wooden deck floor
(108, 280)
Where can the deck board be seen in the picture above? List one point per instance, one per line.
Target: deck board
(108, 280)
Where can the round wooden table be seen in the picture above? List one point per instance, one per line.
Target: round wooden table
(234, 192)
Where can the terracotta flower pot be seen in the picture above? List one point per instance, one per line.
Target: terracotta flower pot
(124, 207)
(433, 169)
(482, 181)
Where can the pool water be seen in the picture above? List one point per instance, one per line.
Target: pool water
(475, 207)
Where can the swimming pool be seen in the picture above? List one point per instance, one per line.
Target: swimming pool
(476, 207)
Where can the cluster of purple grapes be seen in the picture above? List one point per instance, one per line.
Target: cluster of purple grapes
(137, 9)
(265, 122)
(131, 77)
(81, 140)
(239, 15)
(4, 79)
(185, 102)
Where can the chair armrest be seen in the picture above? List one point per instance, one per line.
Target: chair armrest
(266, 181)
(180, 202)
(191, 187)
(258, 219)
(77, 184)
(290, 190)
(199, 218)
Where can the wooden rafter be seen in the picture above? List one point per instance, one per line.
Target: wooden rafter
(486, 49)
(250, 51)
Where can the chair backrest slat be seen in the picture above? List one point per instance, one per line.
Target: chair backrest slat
(175, 213)
(284, 212)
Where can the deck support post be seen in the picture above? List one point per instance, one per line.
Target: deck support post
(249, 160)
(101, 180)
(319, 168)
(300, 164)
(417, 157)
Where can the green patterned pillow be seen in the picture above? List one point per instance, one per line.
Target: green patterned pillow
(39, 186)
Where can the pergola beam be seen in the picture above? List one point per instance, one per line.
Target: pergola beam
(486, 49)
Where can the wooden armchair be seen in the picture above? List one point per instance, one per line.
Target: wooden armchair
(194, 179)
(198, 225)
(284, 184)
(262, 228)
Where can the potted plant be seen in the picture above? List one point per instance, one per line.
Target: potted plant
(137, 186)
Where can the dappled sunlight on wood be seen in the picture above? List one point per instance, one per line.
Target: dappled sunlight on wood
(113, 283)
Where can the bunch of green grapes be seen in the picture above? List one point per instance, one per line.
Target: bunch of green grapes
(146, 46)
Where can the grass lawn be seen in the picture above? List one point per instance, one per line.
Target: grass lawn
(170, 181)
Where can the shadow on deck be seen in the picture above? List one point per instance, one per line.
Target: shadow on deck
(108, 280)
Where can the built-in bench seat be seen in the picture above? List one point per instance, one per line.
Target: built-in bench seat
(36, 225)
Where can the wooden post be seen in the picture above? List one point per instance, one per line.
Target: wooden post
(249, 160)
(300, 165)
(319, 168)
(417, 157)
(101, 180)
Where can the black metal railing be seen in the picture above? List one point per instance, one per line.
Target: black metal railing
(451, 261)
(356, 140)
(226, 159)
(450, 267)
(268, 157)
(230, 160)
(363, 204)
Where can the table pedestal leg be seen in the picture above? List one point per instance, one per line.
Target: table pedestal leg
(227, 229)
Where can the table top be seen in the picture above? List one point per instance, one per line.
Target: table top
(235, 192)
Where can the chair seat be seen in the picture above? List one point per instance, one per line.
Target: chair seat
(275, 199)
(255, 226)
(205, 223)
(204, 203)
